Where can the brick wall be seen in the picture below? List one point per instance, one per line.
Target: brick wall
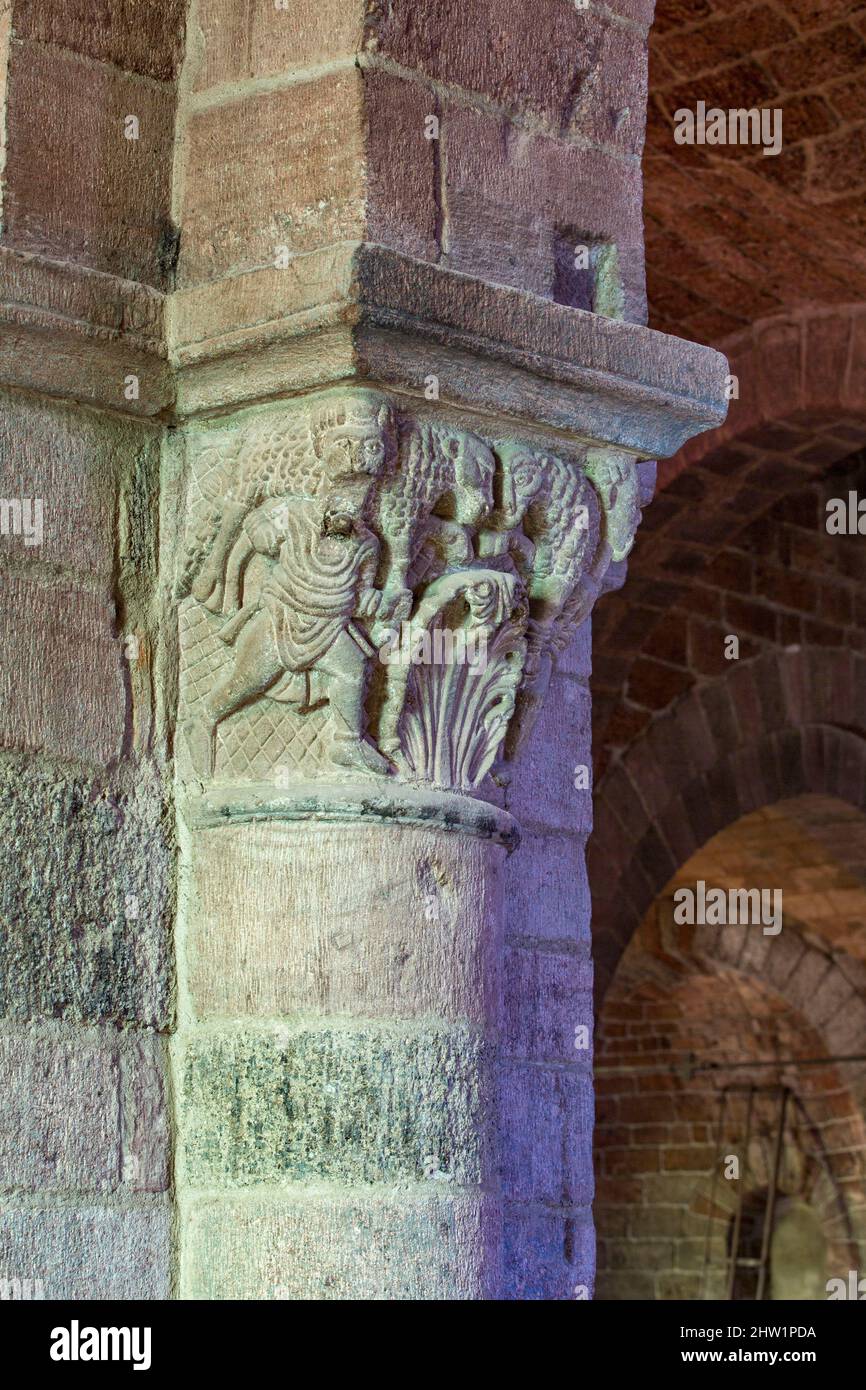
(779, 581)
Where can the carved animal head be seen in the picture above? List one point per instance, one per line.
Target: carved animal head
(615, 479)
(522, 477)
(356, 434)
(474, 469)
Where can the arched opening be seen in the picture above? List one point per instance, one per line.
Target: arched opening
(730, 1139)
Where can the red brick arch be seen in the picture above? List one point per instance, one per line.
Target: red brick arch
(801, 413)
(730, 234)
(782, 725)
(799, 375)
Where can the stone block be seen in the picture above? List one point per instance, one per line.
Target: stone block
(240, 203)
(89, 1252)
(364, 1105)
(141, 36)
(59, 1114)
(546, 889)
(240, 42)
(83, 1111)
(548, 1014)
(393, 922)
(76, 463)
(542, 61)
(402, 172)
(543, 791)
(548, 1255)
(62, 686)
(89, 945)
(75, 188)
(381, 1246)
(546, 1120)
(146, 1131)
(581, 194)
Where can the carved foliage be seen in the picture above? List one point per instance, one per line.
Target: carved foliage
(367, 592)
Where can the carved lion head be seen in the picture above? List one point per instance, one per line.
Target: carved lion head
(356, 434)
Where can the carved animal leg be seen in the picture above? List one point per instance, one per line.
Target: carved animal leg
(237, 562)
(256, 667)
(209, 585)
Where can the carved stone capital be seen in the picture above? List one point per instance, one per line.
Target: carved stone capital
(368, 591)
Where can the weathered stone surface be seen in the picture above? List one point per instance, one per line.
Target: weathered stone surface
(89, 1252)
(543, 791)
(241, 42)
(608, 107)
(85, 893)
(576, 660)
(59, 1114)
(402, 166)
(143, 36)
(358, 1106)
(74, 186)
(62, 296)
(542, 60)
(146, 1131)
(267, 934)
(552, 902)
(583, 349)
(39, 349)
(575, 192)
(546, 1123)
(239, 204)
(385, 317)
(62, 687)
(548, 1255)
(548, 997)
(82, 1111)
(342, 1245)
(76, 464)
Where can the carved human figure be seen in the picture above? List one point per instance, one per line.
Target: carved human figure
(346, 437)
(546, 520)
(306, 619)
(440, 468)
(363, 519)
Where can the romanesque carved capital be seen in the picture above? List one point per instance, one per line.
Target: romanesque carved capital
(368, 591)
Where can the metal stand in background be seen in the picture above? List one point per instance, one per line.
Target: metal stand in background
(736, 1260)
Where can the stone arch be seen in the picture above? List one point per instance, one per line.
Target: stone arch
(801, 412)
(801, 379)
(784, 724)
(694, 1007)
(731, 234)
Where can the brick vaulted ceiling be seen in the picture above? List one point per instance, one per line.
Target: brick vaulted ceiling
(732, 235)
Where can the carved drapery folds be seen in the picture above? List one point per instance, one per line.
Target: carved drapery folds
(366, 591)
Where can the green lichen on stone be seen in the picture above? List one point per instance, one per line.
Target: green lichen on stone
(86, 889)
(361, 1105)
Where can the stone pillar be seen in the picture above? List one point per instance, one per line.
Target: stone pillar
(369, 281)
(416, 403)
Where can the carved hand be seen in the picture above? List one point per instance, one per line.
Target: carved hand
(368, 603)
